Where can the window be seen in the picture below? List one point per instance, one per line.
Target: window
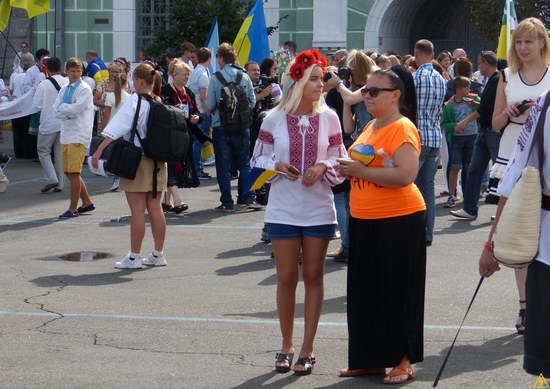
(151, 15)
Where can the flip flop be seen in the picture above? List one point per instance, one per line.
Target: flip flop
(362, 372)
(399, 371)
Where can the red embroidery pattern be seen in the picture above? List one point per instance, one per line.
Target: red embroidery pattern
(335, 140)
(297, 150)
(265, 137)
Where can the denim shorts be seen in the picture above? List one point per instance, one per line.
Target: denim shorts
(286, 231)
(462, 149)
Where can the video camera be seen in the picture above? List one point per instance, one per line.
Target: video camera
(265, 80)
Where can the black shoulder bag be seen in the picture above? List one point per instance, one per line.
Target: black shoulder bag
(125, 156)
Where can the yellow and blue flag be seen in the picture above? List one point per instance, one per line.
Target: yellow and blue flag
(251, 42)
(257, 178)
(212, 42)
(33, 8)
(509, 23)
(5, 10)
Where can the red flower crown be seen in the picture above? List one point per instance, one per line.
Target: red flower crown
(304, 60)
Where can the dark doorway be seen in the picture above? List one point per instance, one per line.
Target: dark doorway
(447, 25)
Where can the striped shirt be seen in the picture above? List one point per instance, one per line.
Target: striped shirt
(430, 94)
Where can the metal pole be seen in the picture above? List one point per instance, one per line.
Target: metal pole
(6, 47)
(59, 29)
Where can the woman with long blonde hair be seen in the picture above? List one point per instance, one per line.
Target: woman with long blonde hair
(302, 140)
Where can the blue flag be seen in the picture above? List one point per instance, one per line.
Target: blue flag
(251, 42)
(212, 43)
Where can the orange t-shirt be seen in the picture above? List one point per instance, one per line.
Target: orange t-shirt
(372, 201)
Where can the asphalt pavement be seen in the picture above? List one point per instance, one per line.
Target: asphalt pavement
(208, 319)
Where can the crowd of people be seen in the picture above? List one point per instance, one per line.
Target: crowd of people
(357, 141)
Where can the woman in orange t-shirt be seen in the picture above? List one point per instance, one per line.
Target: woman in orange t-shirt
(387, 259)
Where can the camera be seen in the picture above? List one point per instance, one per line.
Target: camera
(524, 106)
(265, 80)
(344, 73)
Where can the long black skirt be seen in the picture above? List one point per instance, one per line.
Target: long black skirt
(386, 284)
(537, 322)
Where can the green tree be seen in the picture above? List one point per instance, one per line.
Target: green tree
(487, 14)
(190, 20)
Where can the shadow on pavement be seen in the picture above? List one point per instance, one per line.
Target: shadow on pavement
(260, 381)
(491, 355)
(333, 305)
(111, 278)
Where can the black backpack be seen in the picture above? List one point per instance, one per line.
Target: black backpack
(167, 136)
(234, 107)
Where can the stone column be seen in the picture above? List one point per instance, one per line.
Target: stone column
(18, 30)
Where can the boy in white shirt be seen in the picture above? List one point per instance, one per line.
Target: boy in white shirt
(75, 107)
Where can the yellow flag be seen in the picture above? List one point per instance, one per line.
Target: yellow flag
(33, 7)
(5, 9)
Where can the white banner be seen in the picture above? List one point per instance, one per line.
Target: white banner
(18, 108)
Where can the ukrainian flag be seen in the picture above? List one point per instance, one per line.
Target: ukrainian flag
(33, 8)
(251, 42)
(257, 178)
(509, 23)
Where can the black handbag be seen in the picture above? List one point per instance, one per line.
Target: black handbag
(125, 156)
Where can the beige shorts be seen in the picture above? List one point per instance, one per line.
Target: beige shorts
(144, 177)
(72, 157)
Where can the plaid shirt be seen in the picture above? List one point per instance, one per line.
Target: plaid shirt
(430, 95)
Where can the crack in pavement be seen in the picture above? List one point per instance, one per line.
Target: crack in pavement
(41, 307)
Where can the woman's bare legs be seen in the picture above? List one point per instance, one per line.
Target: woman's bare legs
(158, 221)
(286, 253)
(521, 277)
(137, 202)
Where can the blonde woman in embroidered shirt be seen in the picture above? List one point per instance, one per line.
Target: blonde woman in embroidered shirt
(385, 292)
(139, 191)
(302, 140)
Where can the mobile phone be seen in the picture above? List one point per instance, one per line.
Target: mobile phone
(293, 170)
(523, 107)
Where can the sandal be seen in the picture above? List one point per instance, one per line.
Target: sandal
(399, 371)
(282, 358)
(347, 372)
(520, 328)
(306, 362)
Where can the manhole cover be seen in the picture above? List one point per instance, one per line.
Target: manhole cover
(84, 256)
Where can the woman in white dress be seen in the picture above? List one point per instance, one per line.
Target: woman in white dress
(526, 78)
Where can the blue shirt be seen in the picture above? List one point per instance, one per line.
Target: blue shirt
(69, 92)
(214, 93)
(430, 94)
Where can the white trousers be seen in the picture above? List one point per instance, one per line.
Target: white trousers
(45, 144)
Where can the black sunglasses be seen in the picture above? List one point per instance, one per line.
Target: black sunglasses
(373, 91)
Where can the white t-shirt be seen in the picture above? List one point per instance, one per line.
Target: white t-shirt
(517, 163)
(302, 141)
(43, 99)
(121, 124)
(110, 102)
(198, 80)
(17, 85)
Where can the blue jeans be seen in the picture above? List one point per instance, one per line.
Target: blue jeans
(197, 146)
(427, 168)
(485, 149)
(462, 148)
(341, 202)
(227, 146)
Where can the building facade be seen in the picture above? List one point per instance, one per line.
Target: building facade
(122, 27)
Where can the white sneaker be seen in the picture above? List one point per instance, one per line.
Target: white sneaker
(129, 263)
(462, 214)
(151, 260)
(4, 185)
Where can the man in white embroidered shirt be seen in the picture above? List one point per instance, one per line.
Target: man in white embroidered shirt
(75, 107)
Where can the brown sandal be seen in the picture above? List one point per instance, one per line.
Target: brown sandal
(398, 371)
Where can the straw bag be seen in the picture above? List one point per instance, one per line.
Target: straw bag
(516, 238)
